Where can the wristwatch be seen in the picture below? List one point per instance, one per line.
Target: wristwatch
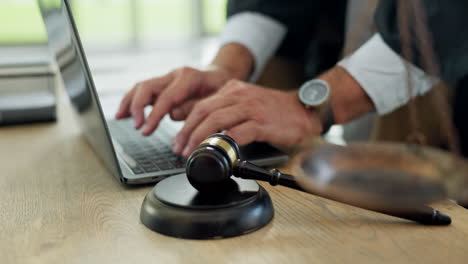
(316, 94)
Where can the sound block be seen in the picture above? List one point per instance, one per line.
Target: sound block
(174, 208)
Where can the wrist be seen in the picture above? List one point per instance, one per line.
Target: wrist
(315, 95)
(312, 122)
(234, 60)
(348, 100)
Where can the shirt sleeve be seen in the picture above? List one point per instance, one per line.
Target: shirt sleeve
(260, 34)
(382, 74)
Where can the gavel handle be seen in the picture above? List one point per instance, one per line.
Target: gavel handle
(247, 170)
(423, 214)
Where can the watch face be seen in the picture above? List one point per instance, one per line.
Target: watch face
(314, 93)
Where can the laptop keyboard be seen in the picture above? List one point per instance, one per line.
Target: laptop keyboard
(148, 154)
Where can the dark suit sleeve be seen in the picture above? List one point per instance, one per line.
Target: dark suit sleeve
(296, 15)
(315, 28)
(448, 24)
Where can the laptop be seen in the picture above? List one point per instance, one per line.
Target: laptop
(129, 156)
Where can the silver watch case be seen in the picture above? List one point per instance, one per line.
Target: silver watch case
(314, 93)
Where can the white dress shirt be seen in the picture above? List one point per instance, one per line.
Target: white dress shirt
(260, 34)
(378, 69)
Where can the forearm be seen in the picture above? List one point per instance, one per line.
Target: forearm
(373, 78)
(235, 60)
(258, 34)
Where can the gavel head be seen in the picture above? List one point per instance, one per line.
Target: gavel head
(212, 163)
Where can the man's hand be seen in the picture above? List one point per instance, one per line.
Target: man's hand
(248, 113)
(174, 93)
(177, 92)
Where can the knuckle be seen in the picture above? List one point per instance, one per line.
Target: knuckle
(233, 82)
(186, 70)
(137, 85)
(235, 86)
(253, 102)
(141, 85)
(177, 99)
(134, 105)
(137, 107)
(201, 109)
(126, 99)
(139, 90)
(240, 89)
(134, 109)
(260, 116)
(216, 120)
(166, 99)
(202, 112)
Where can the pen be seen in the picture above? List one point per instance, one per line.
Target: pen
(425, 215)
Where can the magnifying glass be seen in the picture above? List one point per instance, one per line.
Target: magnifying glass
(382, 175)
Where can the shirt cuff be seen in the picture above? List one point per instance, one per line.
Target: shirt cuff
(382, 74)
(260, 34)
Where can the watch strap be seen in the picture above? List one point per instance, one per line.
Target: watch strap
(326, 117)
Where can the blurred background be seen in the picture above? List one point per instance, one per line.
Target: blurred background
(127, 41)
(117, 23)
(136, 38)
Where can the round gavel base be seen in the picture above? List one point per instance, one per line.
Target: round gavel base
(174, 208)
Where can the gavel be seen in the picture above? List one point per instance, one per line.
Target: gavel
(217, 159)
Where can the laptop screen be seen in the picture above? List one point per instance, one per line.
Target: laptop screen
(66, 48)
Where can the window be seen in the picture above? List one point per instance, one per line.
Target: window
(21, 23)
(117, 23)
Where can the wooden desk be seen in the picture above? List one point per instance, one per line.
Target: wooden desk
(59, 205)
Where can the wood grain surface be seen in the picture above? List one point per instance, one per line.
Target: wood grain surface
(60, 205)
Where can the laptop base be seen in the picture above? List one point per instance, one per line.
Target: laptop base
(174, 208)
